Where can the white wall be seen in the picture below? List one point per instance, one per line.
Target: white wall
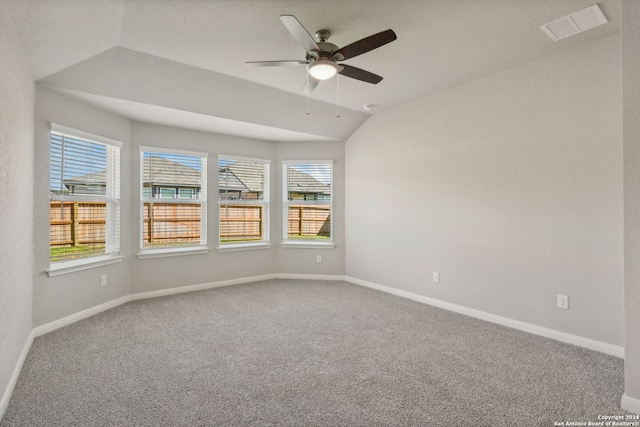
(510, 187)
(631, 95)
(60, 296)
(16, 203)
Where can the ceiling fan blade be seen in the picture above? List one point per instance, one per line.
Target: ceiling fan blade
(310, 84)
(276, 63)
(359, 74)
(364, 45)
(299, 32)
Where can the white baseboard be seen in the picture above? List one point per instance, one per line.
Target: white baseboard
(56, 324)
(200, 287)
(630, 404)
(52, 326)
(310, 277)
(610, 349)
(8, 391)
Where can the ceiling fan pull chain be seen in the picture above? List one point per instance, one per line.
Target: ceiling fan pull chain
(307, 86)
(338, 96)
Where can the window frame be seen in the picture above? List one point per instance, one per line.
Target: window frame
(111, 199)
(305, 243)
(265, 202)
(178, 250)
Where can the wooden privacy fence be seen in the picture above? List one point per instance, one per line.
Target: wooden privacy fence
(83, 223)
(309, 220)
(241, 222)
(80, 223)
(77, 223)
(171, 224)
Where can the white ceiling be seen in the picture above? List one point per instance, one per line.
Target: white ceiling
(441, 44)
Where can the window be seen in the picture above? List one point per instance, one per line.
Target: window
(307, 202)
(173, 201)
(244, 201)
(84, 198)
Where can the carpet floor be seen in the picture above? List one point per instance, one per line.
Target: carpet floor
(305, 353)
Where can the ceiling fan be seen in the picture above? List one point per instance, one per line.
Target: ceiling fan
(322, 57)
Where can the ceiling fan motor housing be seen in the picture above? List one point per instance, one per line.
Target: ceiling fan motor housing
(325, 52)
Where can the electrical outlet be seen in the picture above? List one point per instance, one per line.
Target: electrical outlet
(563, 302)
(318, 259)
(436, 277)
(103, 280)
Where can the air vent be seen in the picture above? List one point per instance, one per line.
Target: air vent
(575, 23)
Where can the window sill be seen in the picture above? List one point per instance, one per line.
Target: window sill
(161, 253)
(243, 247)
(65, 267)
(307, 245)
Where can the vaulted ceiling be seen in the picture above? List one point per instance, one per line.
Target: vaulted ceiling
(182, 62)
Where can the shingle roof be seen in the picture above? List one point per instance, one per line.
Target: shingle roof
(230, 182)
(249, 175)
(161, 171)
(165, 172)
(301, 182)
(92, 178)
(241, 176)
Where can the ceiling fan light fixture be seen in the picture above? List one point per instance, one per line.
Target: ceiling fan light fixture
(323, 69)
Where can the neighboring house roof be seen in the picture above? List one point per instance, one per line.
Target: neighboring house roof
(161, 171)
(241, 177)
(230, 182)
(92, 178)
(165, 173)
(301, 182)
(244, 176)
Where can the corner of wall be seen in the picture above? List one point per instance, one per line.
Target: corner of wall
(16, 206)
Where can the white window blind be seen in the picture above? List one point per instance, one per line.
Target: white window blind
(84, 193)
(173, 198)
(243, 200)
(307, 201)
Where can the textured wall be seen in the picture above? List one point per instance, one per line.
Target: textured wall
(16, 203)
(631, 96)
(60, 296)
(510, 187)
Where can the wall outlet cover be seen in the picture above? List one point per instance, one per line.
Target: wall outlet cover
(563, 302)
